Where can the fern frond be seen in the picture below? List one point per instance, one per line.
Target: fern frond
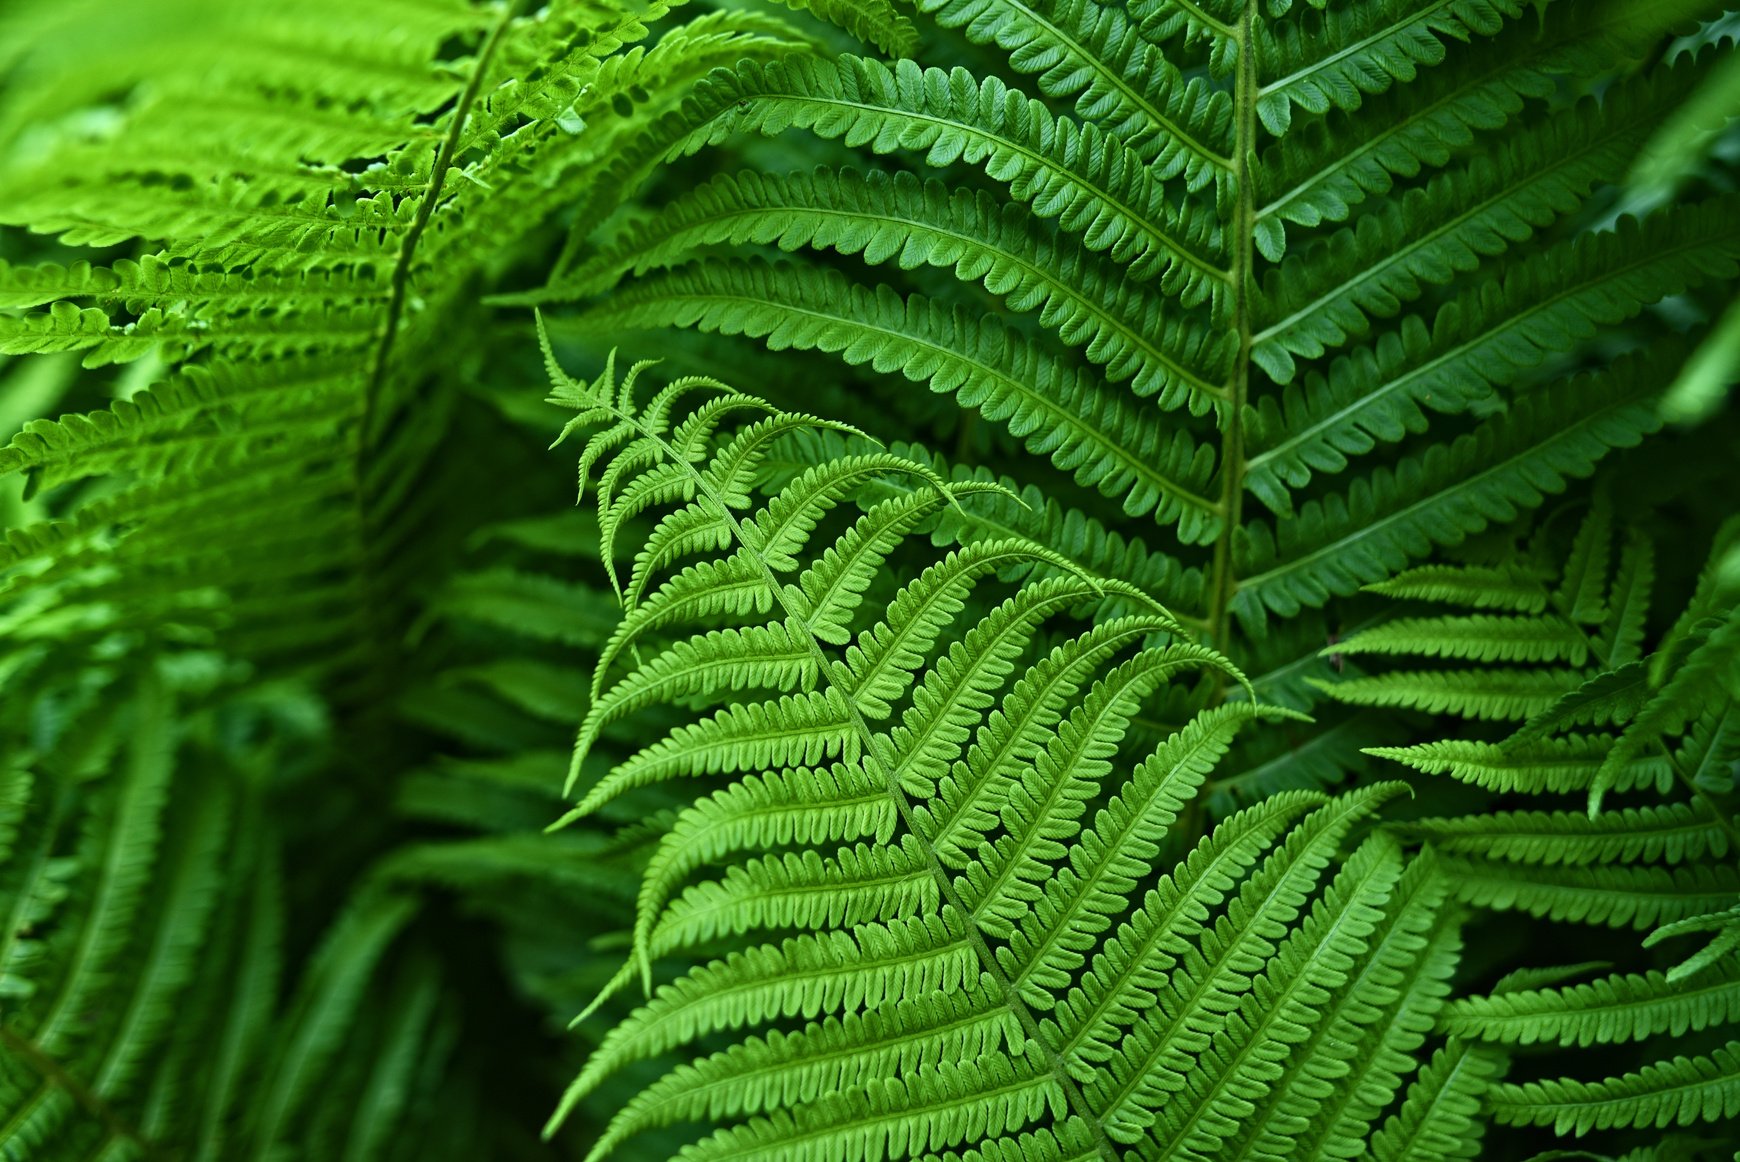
(1332, 164)
(1622, 1007)
(1479, 638)
(926, 833)
(1637, 897)
(1327, 296)
(1671, 833)
(1084, 178)
(1439, 1118)
(1028, 513)
(1332, 59)
(1118, 79)
(876, 23)
(1385, 1010)
(1084, 427)
(1498, 694)
(1681, 1092)
(1507, 465)
(899, 220)
(1511, 590)
(1482, 340)
(1157, 1060)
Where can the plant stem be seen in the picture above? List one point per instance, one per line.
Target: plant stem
(1222, 582)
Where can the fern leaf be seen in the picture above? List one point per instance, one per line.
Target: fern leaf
(1679, 1092)
(1327, 297)
(1117, 78)
(1092, 548)
(1628, 603)
(1377, 46)
(910, 224)
(1481, 638)
(877, 23)
(976, 911)
(1621, 1007)
(1062, 925)
(1628, 896)
(1286, 1004)
(1671, 833)
(1504, 694)
(1583, 587)
(1439, 1118)
(1484, 339)
(969, 802)
(1074, 420)
(1341, 543)
(1383, 1017)
(1509, 590)
(1611, 696)
(1086, 179)
(1194, 1006)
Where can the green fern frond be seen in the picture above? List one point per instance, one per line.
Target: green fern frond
(1672, 833)
(939, 806)
(1476, 587)
(1439, 1118)
(930, 834)
(1058, 412)
(1624, 896)
(899, 220)
(1681, 1092)
(1724, 930)
(1325, 59)
(1117, 77)
(1328, 296)
(1477, 638)
(1506, 465)
(876, 23)
(1501, 694)
(1084, 178)
(1483, 340)
(1622, 1007)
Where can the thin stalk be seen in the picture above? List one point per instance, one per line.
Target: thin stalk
(1222, 581)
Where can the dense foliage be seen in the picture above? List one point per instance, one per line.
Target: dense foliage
(1155, 579)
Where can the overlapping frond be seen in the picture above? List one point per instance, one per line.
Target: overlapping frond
(1663, 862)
(1084, 178)
(917, 793)
(1507, 465)
(141, 954)
(1083, 425)
(924, 837)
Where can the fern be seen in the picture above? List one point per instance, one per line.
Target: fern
(916, 824)
(994, 735)
(1664, 866)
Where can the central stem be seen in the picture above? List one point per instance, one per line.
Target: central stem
(1222, 582)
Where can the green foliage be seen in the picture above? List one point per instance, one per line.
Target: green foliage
(950, 893)
(1197, 617)
(1665, 865)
